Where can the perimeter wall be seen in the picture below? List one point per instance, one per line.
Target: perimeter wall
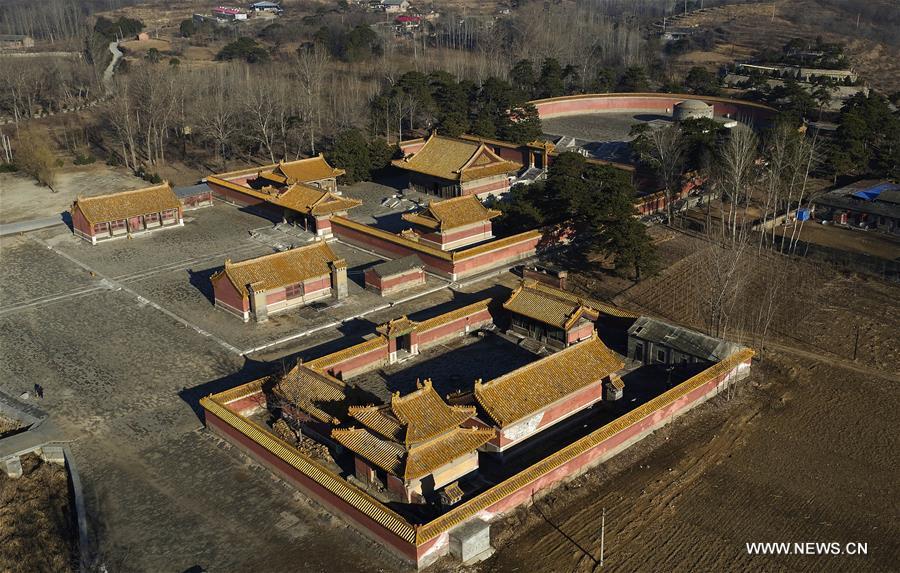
(421, 544)
(650, 102)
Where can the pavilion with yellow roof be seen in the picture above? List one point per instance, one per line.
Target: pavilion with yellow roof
(453, 223)
(451, 167)
(416, 444)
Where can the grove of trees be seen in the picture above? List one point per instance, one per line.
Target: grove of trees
(594, 204)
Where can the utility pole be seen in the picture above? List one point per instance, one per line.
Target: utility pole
(602, 534)
(856, 343)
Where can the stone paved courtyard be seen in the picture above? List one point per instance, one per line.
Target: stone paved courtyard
(124, 340)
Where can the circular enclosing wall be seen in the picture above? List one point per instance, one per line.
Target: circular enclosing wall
(692, 109)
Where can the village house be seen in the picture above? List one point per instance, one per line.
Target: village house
(414, 445)
(868, 204)
(395, 275)
(302, 192)
(652, 341)
(15, 42)
(126, 214)
(279, 282)
(395, 6)
(453, 223)
(451, 167)
(550, 315)
(266, 6)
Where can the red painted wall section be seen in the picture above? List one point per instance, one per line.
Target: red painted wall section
(389, 249)
(312, 488)
(355, 363)
(80, 223)
(524, 494)
(411, 277)
(225, 292)
(276, 296)
(249, 403)
(453, 235)
(233, 195)
(495, 186)
(323, 224)
(580, 333)
(658, 103)
(490, 259)
(372, 279)
(431, 336)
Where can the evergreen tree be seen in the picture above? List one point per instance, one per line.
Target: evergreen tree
(522, 77)
(634, 80)
(551, 83)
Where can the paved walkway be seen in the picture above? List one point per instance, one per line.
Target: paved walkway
(32, 225)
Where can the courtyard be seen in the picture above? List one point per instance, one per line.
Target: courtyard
(125, 340)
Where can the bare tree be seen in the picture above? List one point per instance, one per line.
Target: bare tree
(666, 155)
(312, 68)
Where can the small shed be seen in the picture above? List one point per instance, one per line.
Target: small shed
(652, 341)
(396, 275)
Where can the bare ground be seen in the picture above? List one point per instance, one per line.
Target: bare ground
(749, 28)
(803, 451)
(21, 199)
(792, 457)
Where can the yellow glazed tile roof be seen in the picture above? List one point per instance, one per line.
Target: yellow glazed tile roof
(280, 269)
(117, 206)
(416, 417)
(484, 500)
(310, 200)
(309, 390)
(452, 213)
(549, 305)
(325, 362)
(298, 197)
(414, 434)
(456, 160)
(531, 388)
(416, 461)
(352, 495)
(306, 170)
(396, 327)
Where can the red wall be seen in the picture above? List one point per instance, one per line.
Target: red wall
(225, 292)
(410, 277)
(389, 248)
(372, 279)
(450, 237)
(317, 284)
(524, 494)
(579, 333)
(486, 260)
(575, 105)
(459, 325)
(81, 224)
(501, 185)
(312, 488)
(360, 361)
